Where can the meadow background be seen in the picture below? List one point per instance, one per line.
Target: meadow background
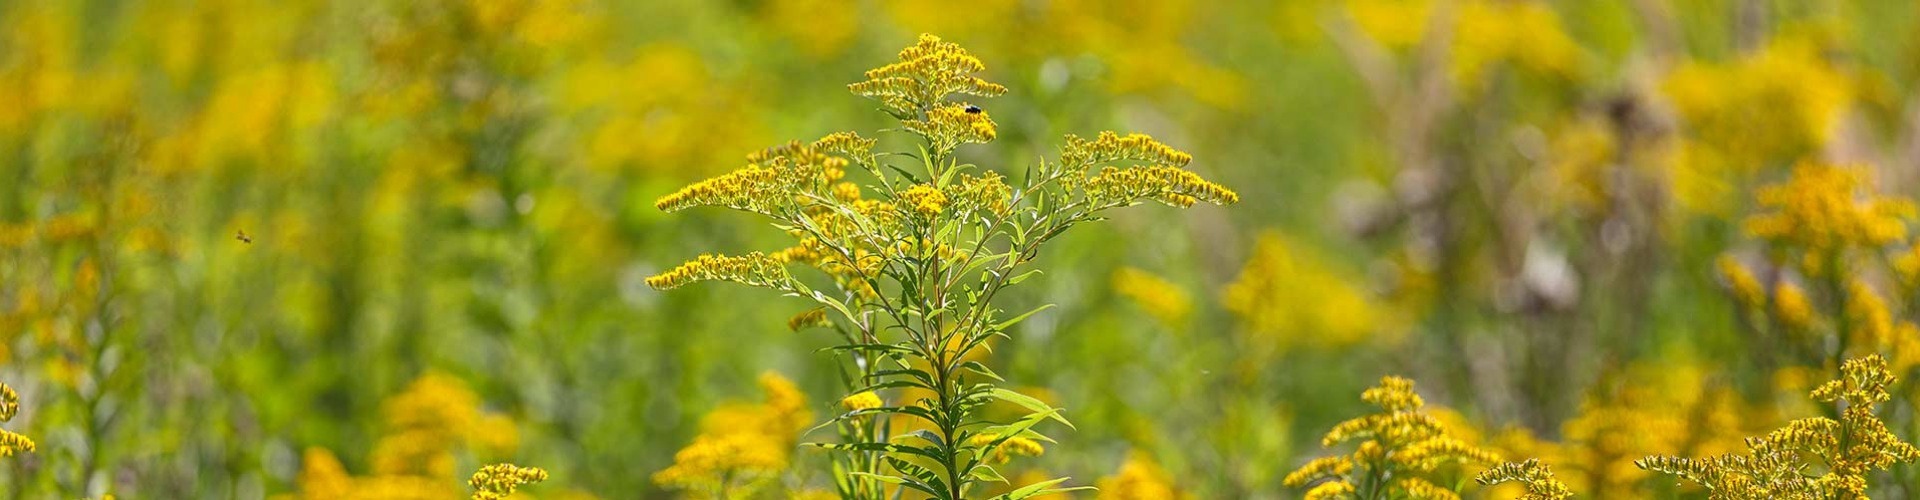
(1530, 207)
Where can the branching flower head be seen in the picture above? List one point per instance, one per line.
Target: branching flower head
(1401, 448)
(498, 481)
(1826, 208)
(926, 73)
(1777, 465)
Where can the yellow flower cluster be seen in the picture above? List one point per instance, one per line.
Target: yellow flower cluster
(1110, 147)
(1007, 449)
(1400, 449)
(1777, 466)
(926, 73)
(848, 144)
(754, 268)
(1826, 208)
(863, 401)
(1537, 477)
(11, 443)
(949, 125)
(1139, 478)
(498, 481)
(983, 195)
(925, 200)
(808, 319)
(740, 447)
(1162, 299)
(1173, 186)
(774, 180)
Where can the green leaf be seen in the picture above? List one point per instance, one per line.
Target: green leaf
(893, 384)
(1038, 489)
(1016, 319)
(986, 473)
(881, 447)
(1029, 403)
(977, 367)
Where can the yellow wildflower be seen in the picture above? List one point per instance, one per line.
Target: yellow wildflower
(1173, 186)
(754, 268)
(924, 199)
(1775, 466)
(1110, 147)
(926, 73)
(767, 184)
(983, 195)
(1007, 449)
(1400, 442)
(1825, 208)
(498, 481)
(816, 317)
(863, 401)
(953, 124)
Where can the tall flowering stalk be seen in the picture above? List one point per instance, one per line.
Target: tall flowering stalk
(1810, 458)
(1403, 452)
(905, 263)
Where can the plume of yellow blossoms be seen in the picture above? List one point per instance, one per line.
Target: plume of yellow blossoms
(1537, 477)
(498, 481)
(1776, 466)
(1402, 449)
(928, 71)
(11, 442)
(1828, 223)
(1825, 209)
(740, 447)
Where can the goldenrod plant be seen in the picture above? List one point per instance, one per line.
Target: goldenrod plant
(1828, 232)
(1403, 452)
(1810, 458)
(906, 252)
